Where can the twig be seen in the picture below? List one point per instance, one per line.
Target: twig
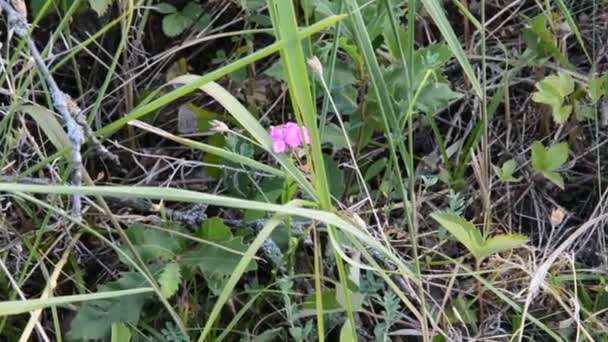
(77, 127)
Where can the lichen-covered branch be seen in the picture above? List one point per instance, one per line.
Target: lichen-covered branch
(77, 127)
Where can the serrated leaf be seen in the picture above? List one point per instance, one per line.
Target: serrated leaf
(153, 244)
(505, 173)
(552, 91)
(501, 243)
(464, 231)
(94, 319)
(100, 6)
(165, 8)
(169, 279)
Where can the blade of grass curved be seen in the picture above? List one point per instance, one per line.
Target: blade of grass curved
(435, 10)
(180, 195)
(16, 307)
(212, 76)
(251, 124)
(220, 152)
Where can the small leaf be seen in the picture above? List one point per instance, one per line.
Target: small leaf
(120, 333)
(346, 333)
(558, 155)
(505, 173)
(169, 279)
(555, 178)
(595, 90)
(464, 231)
(583, 112)
(215, 230)
(334, 136)
(213, 259)
(166, 8)
(100, 6)
(176, 23)
(336, 177)
(501, 243)
(552, 91)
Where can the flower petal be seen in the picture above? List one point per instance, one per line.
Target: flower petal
(278, 146)
(291, 135)
(306, 136)
(276, 133)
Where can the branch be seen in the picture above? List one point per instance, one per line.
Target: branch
(77, 127)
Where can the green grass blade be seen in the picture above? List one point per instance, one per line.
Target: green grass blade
(16, 307)
(435, 10)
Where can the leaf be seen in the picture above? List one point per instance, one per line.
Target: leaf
(166, 8)
(552, 91)
(546, 161)
(505, 173)
(333, 135)
(583, 112)
(501, 243)
(176, 23)
(94, 319)
(435, 96)
(215, 230)
(555, 178)
(346, 333)
(464, 231)
(595, 90)
(268, 335)
(375, 169)
(153, 244)
(335, 177)
(100, 6)
(120, 333)
(169, 279)
(216, 260)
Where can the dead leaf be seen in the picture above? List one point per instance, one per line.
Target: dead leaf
(557, 217)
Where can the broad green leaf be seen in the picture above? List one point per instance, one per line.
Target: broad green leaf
(94, 319)
(552, 91)
(549, 159)
(505, 173)
(465, 232)
(100, 6)
(333, 135)
(561, 114)
(583, 112)
(217, 260)
(215, 230)
(501, 243)
(335, 177)
(356, 298)
(153, 244)
(169, 279)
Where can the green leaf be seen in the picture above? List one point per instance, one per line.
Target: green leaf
(94, 319)
(464, 231)
(505, 173)
(553, 90)
(583, 112)
(176, 23)
(153, 244)
(100, 6)
(546, 160)
(166, 8)
(120, 333)
(501, 243)
(333, 135)
(215, 230)
(346, 333)
(169, 279)
(216, 260)
(335, 177)
(596, 89)
(555, 178)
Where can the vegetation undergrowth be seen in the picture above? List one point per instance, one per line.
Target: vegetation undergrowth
(303, 170)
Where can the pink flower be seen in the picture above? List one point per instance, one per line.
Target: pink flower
(290, 135)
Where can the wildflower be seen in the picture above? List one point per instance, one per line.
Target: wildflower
(288, 135)
(315, 64)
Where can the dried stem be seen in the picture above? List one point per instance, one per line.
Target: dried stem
(77, 127)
